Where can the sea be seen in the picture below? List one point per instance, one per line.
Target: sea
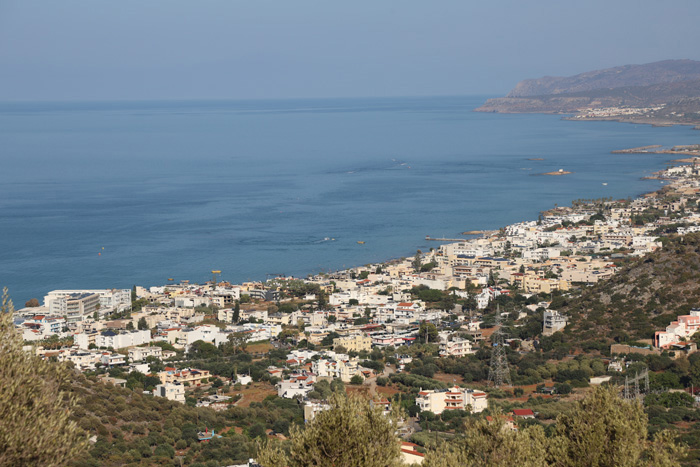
(113, 194)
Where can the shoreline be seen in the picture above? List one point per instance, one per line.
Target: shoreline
(476, 233)
(637, 121)
(379, 252)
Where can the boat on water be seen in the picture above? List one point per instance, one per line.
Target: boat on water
(605, 183)
(360, 242)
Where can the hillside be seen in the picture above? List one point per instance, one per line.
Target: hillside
(665, 92)
(667, 71)
(132, 428)
(643, 297)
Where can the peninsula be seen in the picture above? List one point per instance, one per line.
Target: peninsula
(659, 93)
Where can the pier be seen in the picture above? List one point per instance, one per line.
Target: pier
(428, 237)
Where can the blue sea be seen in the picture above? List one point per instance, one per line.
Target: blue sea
(113, 194)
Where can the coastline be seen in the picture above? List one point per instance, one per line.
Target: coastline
(252, 250)
(555, 211)
(655, 122)
(576, 116)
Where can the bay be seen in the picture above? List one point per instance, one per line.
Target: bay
(112, 194)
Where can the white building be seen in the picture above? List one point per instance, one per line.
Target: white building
(120, 341)
(291, 389)
(74, 305)
(342, 368)
(261, 332)
(454, 398)
(171, 391)
(311, 409)
(42, 326)
(109, 299)
(456, 347)
(141, 353)
(553, 322)
(112, 359)
(206, 333)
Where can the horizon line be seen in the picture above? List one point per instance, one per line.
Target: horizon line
(230, 99)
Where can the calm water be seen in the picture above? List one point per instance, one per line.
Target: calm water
(116, 194)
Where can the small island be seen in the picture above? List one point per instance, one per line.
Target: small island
(558, 172)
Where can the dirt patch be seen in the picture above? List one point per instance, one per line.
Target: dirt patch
(387, 391)
(259, 347)
(364, 390)
(256, 393)
(486, 332)
(684, 426)
(448, 378)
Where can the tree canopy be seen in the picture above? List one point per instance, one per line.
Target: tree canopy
(601, 430)
(351, 433)
(35, 427)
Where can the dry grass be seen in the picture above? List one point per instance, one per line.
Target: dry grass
(259, 347)
(448, 378)
(387, 391)
(257, 392)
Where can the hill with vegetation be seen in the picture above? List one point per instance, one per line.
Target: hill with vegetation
(667, 71)
(667, 91)
(643, 297)
(131, 428)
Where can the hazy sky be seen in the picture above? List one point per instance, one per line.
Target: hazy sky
(156, 49)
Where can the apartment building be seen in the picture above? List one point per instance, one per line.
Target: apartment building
(354, 342)
(679, 330)
(75, 307)
(120, 341)
(141, 353)
(454, 398)
(553, 322)
(171, 391)
(456, 347)
(108, 299)
(187, 375)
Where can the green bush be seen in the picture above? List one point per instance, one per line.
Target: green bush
(357, 379)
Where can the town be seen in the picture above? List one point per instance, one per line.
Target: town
(371, 328)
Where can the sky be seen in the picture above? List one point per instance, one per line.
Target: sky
(260, 49)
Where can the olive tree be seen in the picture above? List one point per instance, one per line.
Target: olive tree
(35, 427)
(350, 434)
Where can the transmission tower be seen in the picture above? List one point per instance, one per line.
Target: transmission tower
(499, 373)
(637, 391)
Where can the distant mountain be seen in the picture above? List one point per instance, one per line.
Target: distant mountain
(666, 92)
(667, 71)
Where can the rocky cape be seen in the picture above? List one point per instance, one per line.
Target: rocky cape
(661, 93)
